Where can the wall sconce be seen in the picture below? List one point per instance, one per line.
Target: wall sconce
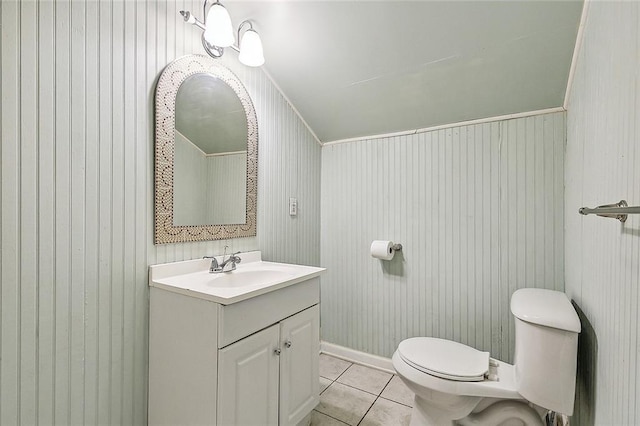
(218, 34)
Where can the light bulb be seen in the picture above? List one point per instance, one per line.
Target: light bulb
(219, 31)
(251, 53)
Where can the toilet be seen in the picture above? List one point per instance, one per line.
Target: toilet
(455, 384)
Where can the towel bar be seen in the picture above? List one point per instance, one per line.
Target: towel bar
(618, 210)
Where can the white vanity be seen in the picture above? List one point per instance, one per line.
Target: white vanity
(234, 348)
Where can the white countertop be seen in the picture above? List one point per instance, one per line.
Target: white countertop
(252, 277)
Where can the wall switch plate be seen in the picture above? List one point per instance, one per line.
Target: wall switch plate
(293, 206)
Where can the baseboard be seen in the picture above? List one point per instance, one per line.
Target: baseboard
(352, 355)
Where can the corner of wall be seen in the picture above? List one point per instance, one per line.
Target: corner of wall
(576, 52)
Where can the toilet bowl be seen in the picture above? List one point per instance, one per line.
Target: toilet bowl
(457, 384)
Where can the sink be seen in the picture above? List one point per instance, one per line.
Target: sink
(247, 277)
(252, 277)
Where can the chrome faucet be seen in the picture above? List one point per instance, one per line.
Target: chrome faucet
(227, 265)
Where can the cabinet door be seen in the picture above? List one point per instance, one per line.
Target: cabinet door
(248, 380)
(299, 364)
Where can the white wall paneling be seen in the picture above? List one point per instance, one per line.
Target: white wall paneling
(479, 212)
(602, 255)
(226, 178)
(76, 200)
(208, 189)
(190, 184)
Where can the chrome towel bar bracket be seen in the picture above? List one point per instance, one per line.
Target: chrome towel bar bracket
(618, 210)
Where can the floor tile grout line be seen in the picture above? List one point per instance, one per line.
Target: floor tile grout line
(358, 389)
(389, 399)
(325, 414)
(328, 386)
(345, 370)
(396, 402)
(354, 387)
(387, 385)
(375, 400)
(367, 412)
(361, 390)
(334, 380)
(377, 396)
(328, 378)
(365, 365)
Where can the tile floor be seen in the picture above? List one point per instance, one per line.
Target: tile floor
(351, 394)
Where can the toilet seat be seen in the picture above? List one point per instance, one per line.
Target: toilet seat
(445, 359)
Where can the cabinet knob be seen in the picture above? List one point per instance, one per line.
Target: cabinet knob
(277, 351)
(287, 343)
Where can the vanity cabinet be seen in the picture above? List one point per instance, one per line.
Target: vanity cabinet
(299, 365)
(271, 377)
(248, 380)
(251, 362)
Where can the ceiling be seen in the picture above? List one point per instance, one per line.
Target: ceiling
(360, 68)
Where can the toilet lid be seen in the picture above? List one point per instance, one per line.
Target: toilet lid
(445, 358)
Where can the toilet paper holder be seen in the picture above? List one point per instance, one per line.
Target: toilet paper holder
(384, 249)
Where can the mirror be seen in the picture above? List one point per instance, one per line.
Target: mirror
(206, 153)
(210, 163)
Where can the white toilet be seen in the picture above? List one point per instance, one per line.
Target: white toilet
(456, 384)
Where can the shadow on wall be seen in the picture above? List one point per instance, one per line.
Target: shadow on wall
(394, 266)
(631, 231)
(585, 405)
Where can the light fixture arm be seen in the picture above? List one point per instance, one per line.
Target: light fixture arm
(190, 19)
(246, 21)
(212, 50)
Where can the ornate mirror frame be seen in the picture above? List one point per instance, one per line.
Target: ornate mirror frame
(166, 90)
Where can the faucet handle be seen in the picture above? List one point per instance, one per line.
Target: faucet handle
(214, 263)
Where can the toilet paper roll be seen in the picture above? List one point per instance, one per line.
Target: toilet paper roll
(382, 250)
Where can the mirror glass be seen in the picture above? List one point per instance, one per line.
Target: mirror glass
(210, 153)
(206, 153)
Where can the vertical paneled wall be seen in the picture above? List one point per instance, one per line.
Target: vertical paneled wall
(603, 255)
(190, 185)
(76, 200)
(289, 160)
(228, 175)
(208, 189)
(479, 212)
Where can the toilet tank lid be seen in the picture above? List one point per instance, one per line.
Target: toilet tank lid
(545, 307)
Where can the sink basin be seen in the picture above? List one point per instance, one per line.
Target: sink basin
(247, 277)
(252, 277)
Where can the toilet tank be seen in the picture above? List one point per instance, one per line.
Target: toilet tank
(546, 351)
